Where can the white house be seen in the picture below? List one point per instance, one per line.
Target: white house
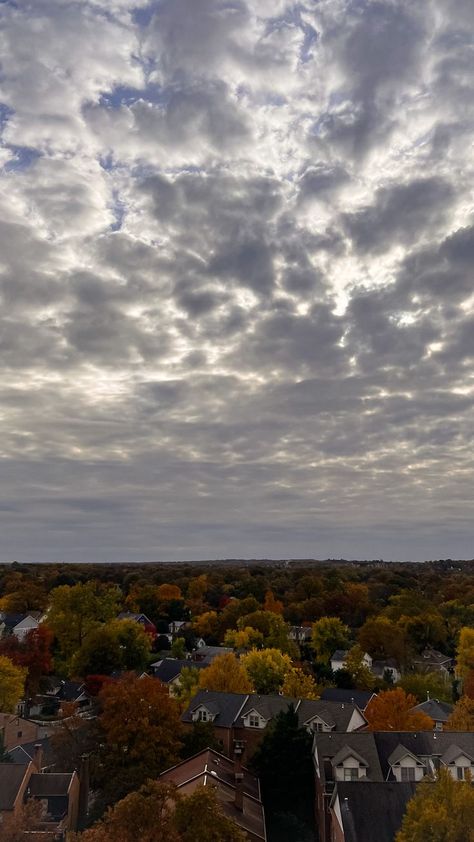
(338, 660)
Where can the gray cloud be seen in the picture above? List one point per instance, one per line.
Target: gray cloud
(235, 277)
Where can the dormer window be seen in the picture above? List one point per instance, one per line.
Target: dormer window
(351, 773)
(203, 715)
(408, 773)
(254, 720)
(461, 772)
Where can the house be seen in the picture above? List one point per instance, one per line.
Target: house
(381, 757)
(338, 660)
(244, 717)
(206, 654)
(360, 698)
(300, 634)
(16, 730)
(58, 793)
(438, 711)
(368, 811)
(19, 624)
(168, 670)
(142, 620)
(431, 660)
(26, 752)
(237, 790)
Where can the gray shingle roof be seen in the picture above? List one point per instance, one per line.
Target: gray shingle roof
(11, 778)
(421, 743)
(266, 706)
(339, 655)
(361, 698)
(373, 812)
(228, 706)
(24, 753)
(439, 711)
(328, 746)
(168, 668)
(50, 784)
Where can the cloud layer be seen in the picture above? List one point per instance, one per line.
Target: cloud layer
(237, 240)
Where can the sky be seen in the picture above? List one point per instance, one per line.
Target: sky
(236, 279)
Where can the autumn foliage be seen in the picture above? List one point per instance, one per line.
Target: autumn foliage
(392, 711)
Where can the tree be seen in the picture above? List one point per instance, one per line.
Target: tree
(440, 811)
(273, 629)
(362, 678)
(141, 728)
(272, 604)
(200, 818)
(12, 684)
(328, 634)
(426, 685)
(146, 815)
(462, 717)
(197, 588)
(225, 675)
(465, 653)
(200, 736)
(187, 686)
(115, 646)
(299, 685)
(169, 593)
(392, 711)
(266, 669)
(206, 625)
(283, 762)
(77, 610)
(243, 639)
(32, 652)
(178, 648)
(382, 638)
(24, 824)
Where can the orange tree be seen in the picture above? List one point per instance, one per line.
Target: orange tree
(141, 732)
(392, 711)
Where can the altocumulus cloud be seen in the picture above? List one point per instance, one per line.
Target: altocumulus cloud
(236, 278)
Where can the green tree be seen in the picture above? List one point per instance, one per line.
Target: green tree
(441, 811)
(328, 634)
(283, 763)
(75, 611)
(115, 646)
(266, 669)
(178, 648)
(187, 687)
(426, 685)
(12, 684)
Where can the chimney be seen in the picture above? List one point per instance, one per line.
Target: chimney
(239, 775)
(83, 792)
(38, 757)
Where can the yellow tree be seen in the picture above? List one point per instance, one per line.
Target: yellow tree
(328, 634)
(12, 684)
(266, 669)
(465, 653)
(300, 685)
(462, 717)
(392, 711)
(225, 675)
(243, 639)
(441, 811)
(207, 624)
(361, 675)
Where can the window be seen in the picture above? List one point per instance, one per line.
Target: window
(318, 727)
(202, 716)
(20, 734)
(408, 773)
(254, 720)
(351, 774)
(461, 772)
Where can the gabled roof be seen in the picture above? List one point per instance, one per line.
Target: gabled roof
(453, 752)
(25, 752)
(373, 812)
(439, 711)
(267, 706)
(361, 698)
(209, 768)
(11, 779)
(422, 744)
(433, 656)
(168, 668)
(336, 715)
(339, 655)
(130, 615)
(327, 746)
(12, 619)
(345, 752)
(70, 691)
(227, 706)
(400, 752)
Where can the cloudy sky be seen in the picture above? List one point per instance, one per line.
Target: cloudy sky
(237, 249)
